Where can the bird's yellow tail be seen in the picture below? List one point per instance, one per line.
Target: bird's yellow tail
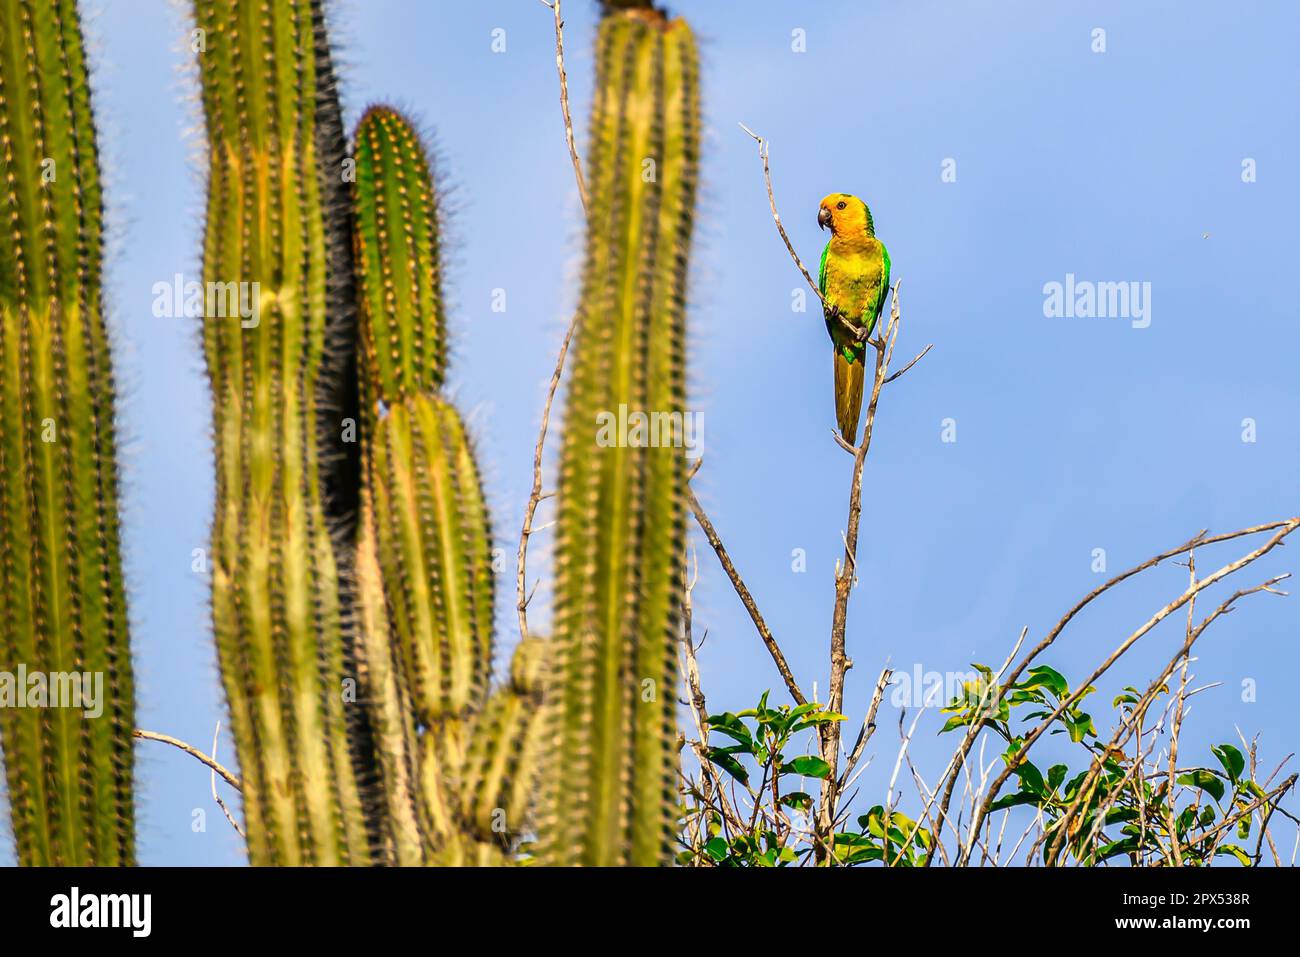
(848, 395)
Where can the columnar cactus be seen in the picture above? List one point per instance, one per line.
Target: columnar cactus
(62, 608)
(424, 517)
(431, 521)
(275, 151)
(399, 269)
(495, 784)
(611, 774)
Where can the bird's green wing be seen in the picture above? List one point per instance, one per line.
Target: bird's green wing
(884, 284)
(821, 272)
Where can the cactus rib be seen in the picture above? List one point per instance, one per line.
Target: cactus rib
(427, 523)
(62, 603)
(397, 258)
(611, 776)
(268, 101)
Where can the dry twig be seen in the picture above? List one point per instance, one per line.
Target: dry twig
(522, 597)
(746, 599)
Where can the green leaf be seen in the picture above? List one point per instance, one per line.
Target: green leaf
(1237, 852)
(731, 725)
(740, 736)
(1043, 675)
(1118, 815)
(1031, 779)
(1231, 759)
(956, 721)
(807, 765)
(1131, 698)
(1072, 787)
(729, 764)
(1026, 695)
(799, 800)
(1012, 800)
(872, 821)
(716, 849)
(821, 717)
(1055, 775)
(1207, 781)
(864, 854)
(1080, 726)
(1125, 846)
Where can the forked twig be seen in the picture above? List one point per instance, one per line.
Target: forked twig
(535, 495)
(746, 599)
(193, 752)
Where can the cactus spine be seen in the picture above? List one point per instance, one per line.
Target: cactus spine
(62, 607)
(611, 775)
(275, 145)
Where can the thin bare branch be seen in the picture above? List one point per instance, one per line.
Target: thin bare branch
(1030, 739)
(193, 752)
(535, 496)
(776, 216)
(1197, 541)
(216, 735)
(868, 727)
(746, 599)
(1134, 717)
(839, 662)
(564, 102)
(919, 356)
(858, 332)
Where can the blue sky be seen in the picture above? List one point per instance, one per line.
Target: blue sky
(1072, 434)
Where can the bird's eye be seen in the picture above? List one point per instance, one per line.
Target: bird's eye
(841, 204)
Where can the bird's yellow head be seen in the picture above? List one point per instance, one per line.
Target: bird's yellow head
(846, 215)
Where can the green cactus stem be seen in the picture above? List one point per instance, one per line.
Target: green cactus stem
(62, 608)
(275, 153)
(409, 835)
(431, 522)
(495, 785)
(423, 506)
(611, 771)
(398, 259)
(434, 553)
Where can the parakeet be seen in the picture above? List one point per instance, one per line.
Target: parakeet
(854, 280)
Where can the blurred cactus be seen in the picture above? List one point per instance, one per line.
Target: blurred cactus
(403, 341)
(435, 554)
(495, 785)
(426, 500)
(611, 771)
(459, 777)
(62, 607)
(279, 377)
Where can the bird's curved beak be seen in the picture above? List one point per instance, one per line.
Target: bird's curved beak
(823, 217)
